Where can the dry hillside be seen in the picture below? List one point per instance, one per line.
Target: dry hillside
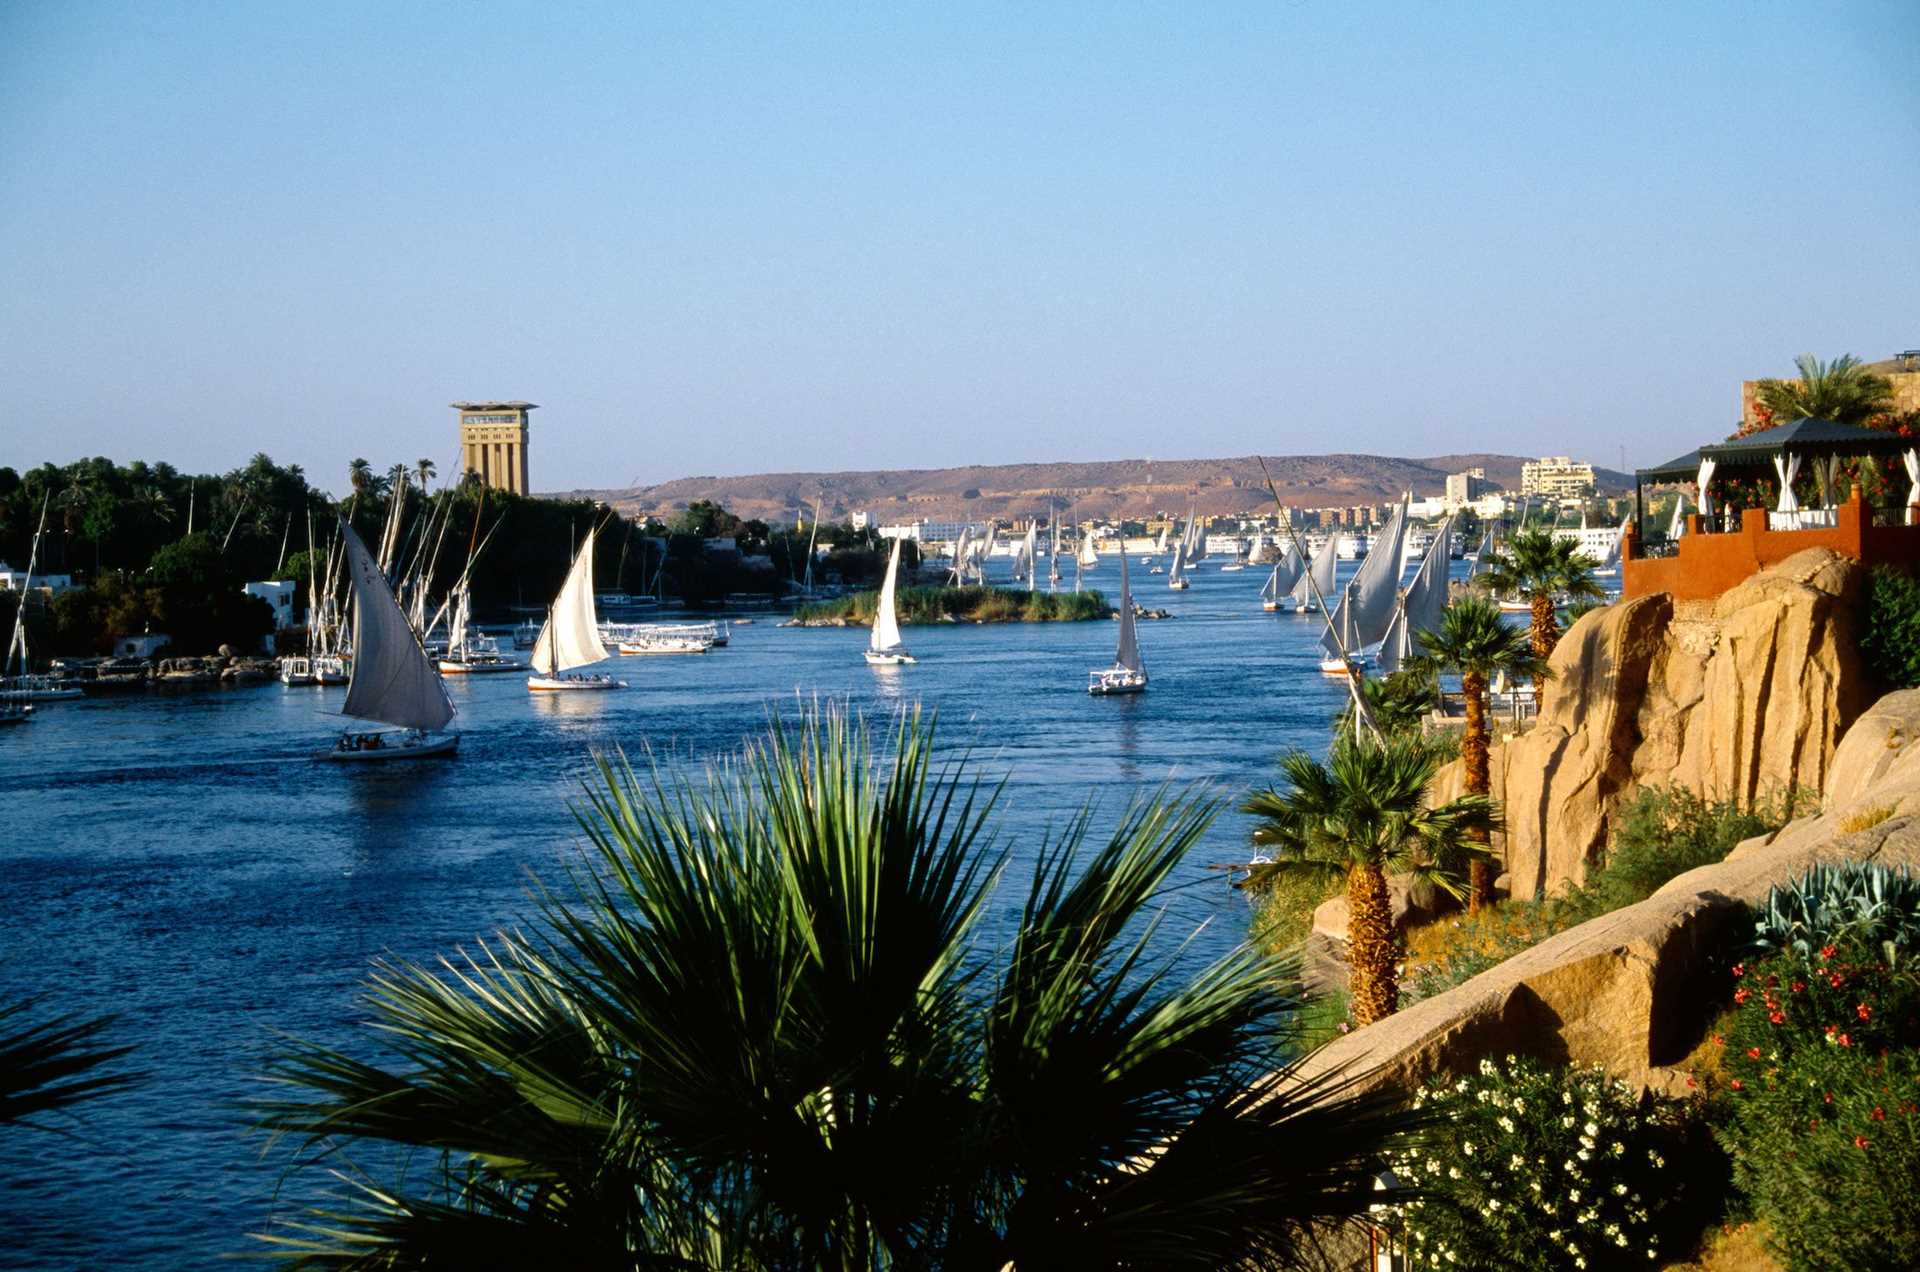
(1133, 487)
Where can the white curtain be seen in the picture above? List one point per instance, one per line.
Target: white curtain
(1787, 467)
(1706, 475)
(1912, 458)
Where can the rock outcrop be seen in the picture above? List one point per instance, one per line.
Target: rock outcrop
(1744, 698)
(1630, 989)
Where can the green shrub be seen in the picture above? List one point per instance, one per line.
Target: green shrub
(1890, 628)
(962, 604)
(1541, 1167)
(1661, 833)
(1856, 904)
(1820, 1109)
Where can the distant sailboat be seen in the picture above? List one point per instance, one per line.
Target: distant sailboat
(1089, 559)
(1053, 550)
(1029, 558)
(393, 680)
(1419, 608)
(1337, 663)
(1177, 575)
(1366, 607)
(1678, 525)
(1128, 674)
(1317, 582)
(571, 637)
(883, 645)
(1285, 577)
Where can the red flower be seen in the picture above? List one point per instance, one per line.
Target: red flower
(1735, 1084)
(1833, 1029)
(1836, 980)
(1827, 952)
(1690, 1082)
(1739, 969)
(1719, 1041)
(1879, 1114)
(1865, 1012)
(1845, 1041)
(1829, 1097)
(1739, 995)
(1859, 1141)
(1776, 1017)
(1753, 1053)
(1799, 985)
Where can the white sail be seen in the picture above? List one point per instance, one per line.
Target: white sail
(886, 624)
(1053, 550)
(1030, 556)
(1425, 599)
(1160, 544)
(1612, 559)
(393, 682)
(1370, 594)
(1179, 564)
(1088, 557)
(457, 622)
(1286, 575)
(1319, 576)
(960, 557)
(1196, 540)
(571, 636)
(1128, 653)
(1678, 526)
(1397, 645)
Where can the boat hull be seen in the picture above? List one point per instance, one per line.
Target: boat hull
(1339, 667)
(573, 684)
(454, 667)
(1179, 585)
(1109, 684)
(887, 660)
(665, 647)
(402, 748)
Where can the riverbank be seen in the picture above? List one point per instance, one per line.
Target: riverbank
(921, 605)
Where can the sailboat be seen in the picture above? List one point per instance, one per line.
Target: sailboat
(1089, 559)
(1128, 674)
(1029, 557)
(1317, 580)
(883, 643)
(20, 690)
(571, 637)
(393, 682)
(1335, 662)
(1177, 576)
(469, 652)
(1053, 550)
(1419, 608)
(1366, 608)
(1285, 577)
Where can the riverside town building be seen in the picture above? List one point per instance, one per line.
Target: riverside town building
(493, 443)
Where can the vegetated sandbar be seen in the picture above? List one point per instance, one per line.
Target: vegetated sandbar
(920, 605)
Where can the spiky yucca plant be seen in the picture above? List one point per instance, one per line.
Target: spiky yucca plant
(1541, 567)
(1475, 642)
(1359, 816)
(766, 1032)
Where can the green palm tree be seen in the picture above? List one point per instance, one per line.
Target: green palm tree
(424, 470)
(1398, 702)
(1361, 815)
(1476, 644)
(360, 475)
(1543, 568)
(50, 1064)
(1842, 392)
(767, 1032)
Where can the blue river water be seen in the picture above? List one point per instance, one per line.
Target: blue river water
(178, 858)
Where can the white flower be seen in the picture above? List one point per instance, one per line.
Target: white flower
(1567, 1122)
(1519, 1105)
(1493, 1204)
(1516, 1162)
(1467, 1147)
(1619, 1190)
(1591, 1129)
(1453, 1172)
(1582, 1154)
(1506, 1124)
(1573, 1194)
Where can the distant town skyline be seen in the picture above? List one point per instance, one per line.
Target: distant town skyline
(731, 241)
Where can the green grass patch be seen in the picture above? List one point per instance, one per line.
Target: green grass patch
(919, 605)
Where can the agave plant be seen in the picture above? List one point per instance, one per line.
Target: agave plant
(765, 1030)
(1861, 903)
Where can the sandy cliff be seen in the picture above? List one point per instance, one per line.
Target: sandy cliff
(1745, 697)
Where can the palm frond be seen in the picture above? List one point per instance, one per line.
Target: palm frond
(52, 1064)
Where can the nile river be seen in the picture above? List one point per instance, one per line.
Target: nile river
(178, 857)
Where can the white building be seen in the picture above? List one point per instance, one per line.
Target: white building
(930, 533)
(1596, 543)
(1556, 477)
(279, 596)
(13, 580)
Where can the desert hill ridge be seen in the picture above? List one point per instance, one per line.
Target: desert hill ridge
(1096, 488)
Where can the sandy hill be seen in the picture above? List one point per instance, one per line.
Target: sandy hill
(1131, 487)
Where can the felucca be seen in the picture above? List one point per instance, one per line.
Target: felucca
(1318, 578)
(883, 644)
(1128, 674)
(393, 681)
(571, 637)
(1285, 577)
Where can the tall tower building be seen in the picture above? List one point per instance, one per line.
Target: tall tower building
(493, 443)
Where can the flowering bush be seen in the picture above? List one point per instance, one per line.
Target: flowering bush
(1821, 1104)
(1539, 1167)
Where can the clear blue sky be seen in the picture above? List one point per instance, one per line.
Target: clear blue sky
(722, 239)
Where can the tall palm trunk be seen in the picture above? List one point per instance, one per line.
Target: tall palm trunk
(1375, 992)
(1473, 756)
(1546, 631)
